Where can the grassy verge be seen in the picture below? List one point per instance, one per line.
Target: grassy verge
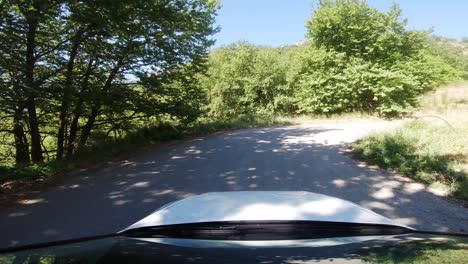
(143, 137)
(425, 251)
(433, 148)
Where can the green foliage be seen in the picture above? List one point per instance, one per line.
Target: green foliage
(450, 52)
(210, 125)
(428, 71)
(74, 71)
(397, 151)
(364, 60)
(33, 171)
(358, 30)
(76, 74)
(181, 98)
(105, 148)
(331, 82)
(245, 79)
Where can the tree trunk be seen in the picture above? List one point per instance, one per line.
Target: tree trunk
(66, 95)
(36, 147)
(31, 89)
(78, 110)
(94, 112)
(74, 128)
(21, 142)
(88, 126)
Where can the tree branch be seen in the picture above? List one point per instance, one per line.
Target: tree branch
(40, 55)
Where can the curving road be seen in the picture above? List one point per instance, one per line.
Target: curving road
(306, 157)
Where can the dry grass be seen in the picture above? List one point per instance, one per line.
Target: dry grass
(448, 101)
(433, 148)
(448, 106)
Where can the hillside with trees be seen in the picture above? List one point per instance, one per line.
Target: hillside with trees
(76, 75)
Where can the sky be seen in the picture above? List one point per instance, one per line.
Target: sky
(280, 22)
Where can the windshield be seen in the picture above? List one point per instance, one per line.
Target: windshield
(129, 114)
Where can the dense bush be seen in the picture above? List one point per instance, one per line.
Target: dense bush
(428, 71)
(331, 82)
(450, 52)
(365, 60)
(245, 79)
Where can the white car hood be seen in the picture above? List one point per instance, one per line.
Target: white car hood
(260, 205)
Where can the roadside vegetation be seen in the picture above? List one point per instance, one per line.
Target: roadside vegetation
(77, 88)
(433, 148)
(425, 251)
(149, 136)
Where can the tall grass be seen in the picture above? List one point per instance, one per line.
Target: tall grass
(433, 148)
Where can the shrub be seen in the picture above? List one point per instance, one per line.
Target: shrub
(428, 71)
(245, 79)
(398, 151)
(331, 82)
(450, 52)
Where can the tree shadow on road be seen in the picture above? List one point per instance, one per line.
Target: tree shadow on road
(295, 158)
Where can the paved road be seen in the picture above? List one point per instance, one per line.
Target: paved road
(303, 157)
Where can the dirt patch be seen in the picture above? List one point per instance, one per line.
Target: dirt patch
(18, 192)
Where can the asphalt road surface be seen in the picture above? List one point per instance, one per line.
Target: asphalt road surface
(306, 158)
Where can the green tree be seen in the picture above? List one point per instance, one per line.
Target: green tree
(68, 68)
(30, 34)
(362, 59)
(330, 82)
(155, 37)
(355, 28)
(245, 79)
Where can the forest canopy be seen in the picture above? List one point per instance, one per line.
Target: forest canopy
(71, 69)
